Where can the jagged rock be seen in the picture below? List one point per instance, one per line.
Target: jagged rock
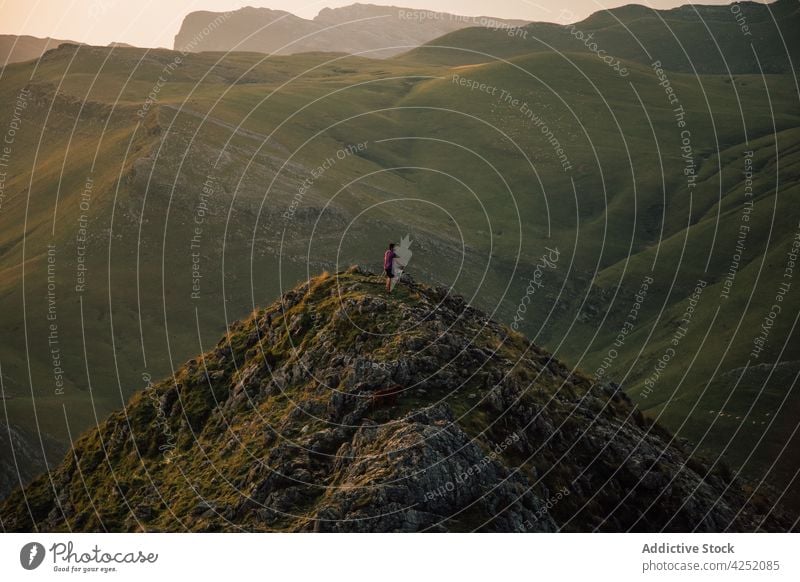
(482, 431)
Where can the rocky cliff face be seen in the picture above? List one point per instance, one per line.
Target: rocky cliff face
(18, 48)
(339, 408)
(358, 28)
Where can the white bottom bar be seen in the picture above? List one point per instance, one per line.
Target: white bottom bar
(402, 557)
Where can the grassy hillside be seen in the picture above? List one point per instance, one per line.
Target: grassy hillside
(293, 165)
(693, 38)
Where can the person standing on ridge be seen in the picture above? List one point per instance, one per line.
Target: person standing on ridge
(388, 261)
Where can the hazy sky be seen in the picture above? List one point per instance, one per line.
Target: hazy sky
(150, 23)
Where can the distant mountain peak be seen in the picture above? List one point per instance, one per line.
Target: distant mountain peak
(379, 31)
(19, 48)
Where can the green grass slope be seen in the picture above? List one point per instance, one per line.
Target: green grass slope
(692, 38)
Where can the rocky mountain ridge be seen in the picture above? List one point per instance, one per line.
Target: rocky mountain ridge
(341, 408)
(368, 29)
(16, 48)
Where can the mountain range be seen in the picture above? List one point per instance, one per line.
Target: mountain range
(749, 37)
(361, 29)
(19, 48)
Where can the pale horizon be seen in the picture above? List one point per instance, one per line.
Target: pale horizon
(151, 24)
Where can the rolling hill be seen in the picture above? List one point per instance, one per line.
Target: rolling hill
(744, 37)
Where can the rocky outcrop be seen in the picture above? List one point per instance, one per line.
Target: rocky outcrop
(18, 48)
(277, 428)
(374, 31)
